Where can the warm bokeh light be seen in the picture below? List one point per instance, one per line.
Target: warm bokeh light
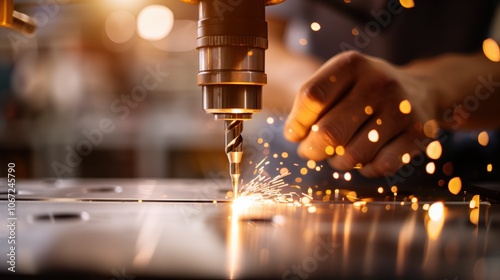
(155, 22)
(489, 167)
(474, 216)
(303, 42)
(483, 138)
(311, 164)
(305, 200)
(380, 190)
(311, 209)
(431, 128)
(425, 206)
(406, 158)
(358, 203)
(335, 175)
(283, 171)
(414, 206)
(340, 150)
(315, 128)
(434, 150)
(368, 110)
(455, 185)
(407, 3)
(434, 224)
(474, 213)
(120, 26)
(352, 196)
(270, 120)
(303, 171)
(436, 211)
(284, 155)
(405, 107)
(182, 37)
(474, 203)
(355, 31)
(491, 50)
(329, 150)
(430, 168)
(347, 176)
(373, 135)
(394, 189)
(315, 26)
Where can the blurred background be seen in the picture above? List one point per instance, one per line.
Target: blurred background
(131, 64)
(107, 88)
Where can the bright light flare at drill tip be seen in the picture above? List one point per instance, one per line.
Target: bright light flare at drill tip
(264, 190)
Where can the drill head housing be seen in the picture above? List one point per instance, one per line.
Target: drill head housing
(232, 40)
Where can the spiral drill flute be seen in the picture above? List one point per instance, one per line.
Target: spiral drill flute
(234, 151)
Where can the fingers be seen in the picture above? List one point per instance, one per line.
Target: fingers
(321, 92)
(389, 158)
(353, 121)
(353, 105)
(370, 139)
(335, 128)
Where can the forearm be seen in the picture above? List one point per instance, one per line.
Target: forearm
(464, 88)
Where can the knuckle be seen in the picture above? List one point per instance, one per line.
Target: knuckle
(357, 155)
(295, 130)
(388, 165)
(368, 172)
(313, 92)
(381, 170)
(331, 134)
(352, 57)
(341, 163)
(386, 83)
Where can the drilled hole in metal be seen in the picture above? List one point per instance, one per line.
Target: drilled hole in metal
(104, 189)
(257, 219)
(61, 217)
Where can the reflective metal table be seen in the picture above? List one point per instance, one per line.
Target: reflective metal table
(138, 229)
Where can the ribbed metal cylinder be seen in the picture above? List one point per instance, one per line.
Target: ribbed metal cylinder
(232, 39)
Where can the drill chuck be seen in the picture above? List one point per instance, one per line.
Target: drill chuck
(232, 40)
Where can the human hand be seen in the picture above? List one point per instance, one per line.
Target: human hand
(369, 111)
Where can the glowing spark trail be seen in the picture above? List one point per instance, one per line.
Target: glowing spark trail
(267, 189)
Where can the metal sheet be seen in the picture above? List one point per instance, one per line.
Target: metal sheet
(115, 235)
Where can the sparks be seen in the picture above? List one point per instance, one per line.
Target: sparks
(267, 189)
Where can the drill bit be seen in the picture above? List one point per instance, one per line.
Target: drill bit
(234, 150)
